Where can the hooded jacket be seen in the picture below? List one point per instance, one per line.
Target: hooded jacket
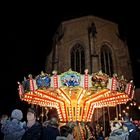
(13, 130)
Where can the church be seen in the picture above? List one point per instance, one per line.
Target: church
(91, 43)
(86, 73)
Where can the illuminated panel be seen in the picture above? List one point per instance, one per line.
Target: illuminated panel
(82, 132)
(81, 96)
(89, 132)
(88, 102)
(90, 112)
(62, 107)
(86, 80)
(67, 99)
(65, 96)
(80, 105)
(50, 98)
(31, 84)
(55, 81)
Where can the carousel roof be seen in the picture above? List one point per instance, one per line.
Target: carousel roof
(75, 96)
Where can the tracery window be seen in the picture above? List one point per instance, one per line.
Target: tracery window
(78, 58)
(106, 60)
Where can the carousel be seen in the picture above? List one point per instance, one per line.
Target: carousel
(75, 96)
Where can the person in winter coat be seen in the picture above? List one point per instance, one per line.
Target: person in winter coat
(13, 129)
(65, 133)
(51, 131)
(3, 120)
(117, 132)
(132, 128)
(33, 129)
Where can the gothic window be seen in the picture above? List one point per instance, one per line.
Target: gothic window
(78, 58)
(106, 60)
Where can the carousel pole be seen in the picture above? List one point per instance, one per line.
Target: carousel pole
(42, 115)
(108, 110)
(104, 120)
(117, 112)
(32, 105)
(36, 106)
(97, 116)
(120, 114)
(46, 113)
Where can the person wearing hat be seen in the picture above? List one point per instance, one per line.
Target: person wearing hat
(33, 128)
(13, 129)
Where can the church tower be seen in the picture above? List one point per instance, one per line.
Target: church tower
(89, 43)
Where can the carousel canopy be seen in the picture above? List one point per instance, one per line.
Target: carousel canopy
(75, 96)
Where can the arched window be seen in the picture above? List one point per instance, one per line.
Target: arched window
(78, 58)
(106, 60)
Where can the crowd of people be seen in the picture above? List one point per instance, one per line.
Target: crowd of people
(13, 128)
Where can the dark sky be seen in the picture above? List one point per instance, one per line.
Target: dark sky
(28, 40)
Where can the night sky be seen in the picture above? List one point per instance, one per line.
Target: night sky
(28, 41)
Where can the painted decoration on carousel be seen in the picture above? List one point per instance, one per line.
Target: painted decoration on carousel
(75, 96)
(43, 80)
(70, 79)
(26, 84)
(99, 80)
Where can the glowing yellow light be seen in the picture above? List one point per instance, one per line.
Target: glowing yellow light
(127, 107)
(124, 111)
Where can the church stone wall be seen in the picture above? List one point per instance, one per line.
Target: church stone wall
(76, 31)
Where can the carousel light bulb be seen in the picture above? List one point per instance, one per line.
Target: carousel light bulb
(127, 107)
(42, 115)
(139, 107)
(123, 111)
